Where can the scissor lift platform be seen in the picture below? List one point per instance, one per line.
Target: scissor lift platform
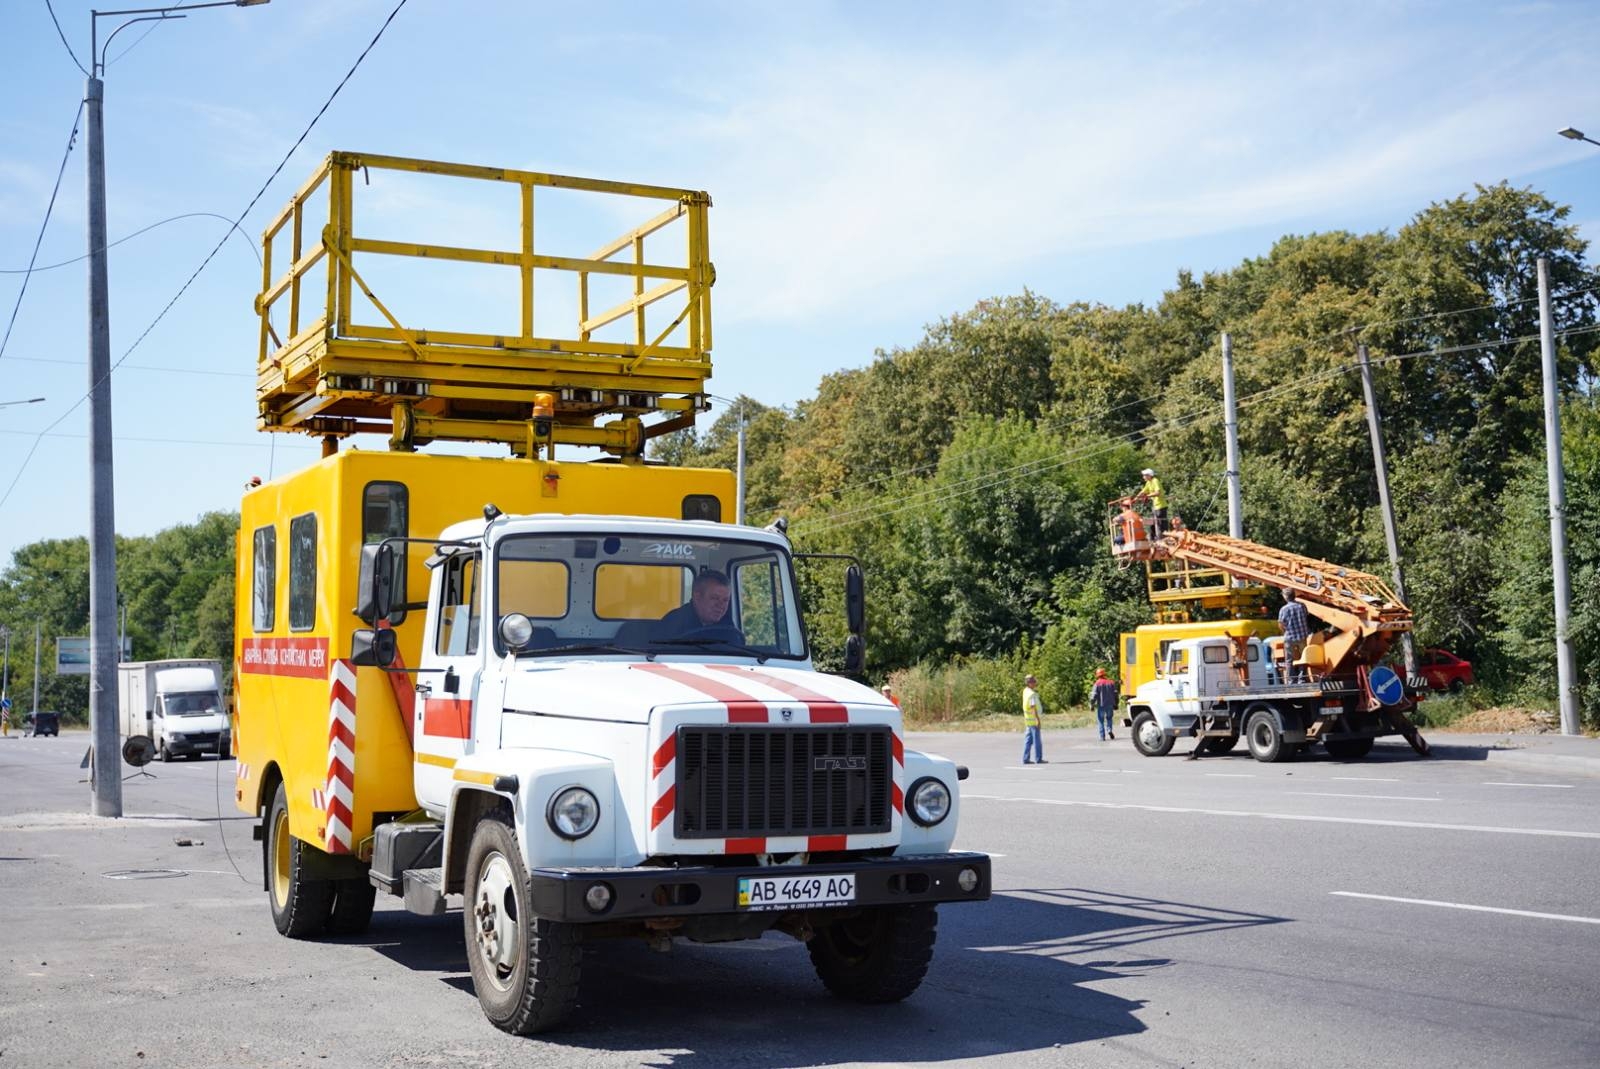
(350, 363)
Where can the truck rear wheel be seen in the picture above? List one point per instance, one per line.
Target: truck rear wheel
(1265, 737)
(1348, 749)
(1148, 738)
(878, 955)
(300, 906)
(524, 968)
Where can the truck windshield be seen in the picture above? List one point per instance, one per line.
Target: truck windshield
(649, 595)
(195, 703)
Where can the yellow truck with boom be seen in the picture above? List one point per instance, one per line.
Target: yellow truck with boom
(571, 693)
(1218, 682)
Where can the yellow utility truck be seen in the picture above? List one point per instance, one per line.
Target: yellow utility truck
(1218, 683)
(571, 693)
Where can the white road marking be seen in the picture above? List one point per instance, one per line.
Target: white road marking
(1475, 909)
(1369, 822)
(1507, 783)
(1232, 775)
(1365, 779)
(1347, 794)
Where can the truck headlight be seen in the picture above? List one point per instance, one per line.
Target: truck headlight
(573, 812)
(929, 802)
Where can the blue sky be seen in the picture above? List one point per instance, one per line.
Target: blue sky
(874, 166)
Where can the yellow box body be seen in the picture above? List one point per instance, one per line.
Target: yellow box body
(282, 688)
(1145, 647)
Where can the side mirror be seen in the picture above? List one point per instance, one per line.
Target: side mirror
(374, 649)
(855, 656)
(376, 582)
(855, 600)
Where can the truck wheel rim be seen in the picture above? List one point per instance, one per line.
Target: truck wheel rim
(280, 859)
(1150, 734)
(495, 919)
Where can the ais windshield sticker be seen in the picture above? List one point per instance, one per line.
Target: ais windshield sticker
(670, 550)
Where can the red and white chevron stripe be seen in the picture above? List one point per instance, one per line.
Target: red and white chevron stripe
(338, 797)
(799, 705)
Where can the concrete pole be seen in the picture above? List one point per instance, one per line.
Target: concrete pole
(5, 672)
(739, 476)
(1565, 668)
(1231, 426)
(102, 522)
(1380, 465)
(36, 666)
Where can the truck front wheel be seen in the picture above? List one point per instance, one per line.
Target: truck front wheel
(1148, 738)
(878, 955)
(524, 968)
(1265, 737)
(300, 906)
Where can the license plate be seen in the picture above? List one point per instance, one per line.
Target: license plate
(787, 892)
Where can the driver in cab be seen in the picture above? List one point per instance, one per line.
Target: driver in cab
(707, 608)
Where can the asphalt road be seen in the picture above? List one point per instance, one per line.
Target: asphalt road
(1386, 912)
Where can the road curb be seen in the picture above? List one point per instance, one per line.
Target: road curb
(1565, 764)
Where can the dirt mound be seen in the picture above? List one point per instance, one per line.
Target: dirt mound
(1505, 721)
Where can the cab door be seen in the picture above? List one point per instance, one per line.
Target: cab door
(446, 690)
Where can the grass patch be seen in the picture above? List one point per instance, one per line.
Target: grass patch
(999, 722)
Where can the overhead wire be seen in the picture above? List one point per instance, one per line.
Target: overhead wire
(212, 254)
(48, 211)
(63, 37)
(1063, 422)
(129, 237)
(952, 491)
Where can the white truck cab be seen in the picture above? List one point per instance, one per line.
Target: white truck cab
(618, 730)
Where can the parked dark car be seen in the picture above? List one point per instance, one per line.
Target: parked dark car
(44, 724)
(1444, 670)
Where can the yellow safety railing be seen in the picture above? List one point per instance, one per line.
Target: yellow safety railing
(337, 370)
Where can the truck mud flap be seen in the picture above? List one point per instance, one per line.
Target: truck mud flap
(1402, 723)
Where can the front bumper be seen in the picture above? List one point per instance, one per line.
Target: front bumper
(646, 892)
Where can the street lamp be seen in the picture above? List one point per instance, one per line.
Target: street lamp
(106, 777)
(1576, 135)
(29, 401)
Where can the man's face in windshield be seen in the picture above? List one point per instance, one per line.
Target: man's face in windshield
(710, 599)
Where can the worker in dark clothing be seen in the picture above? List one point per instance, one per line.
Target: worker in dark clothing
(1296, 629)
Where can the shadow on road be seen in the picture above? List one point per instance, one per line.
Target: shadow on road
(1007, 977)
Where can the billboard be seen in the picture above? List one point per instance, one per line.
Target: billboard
(72, 654)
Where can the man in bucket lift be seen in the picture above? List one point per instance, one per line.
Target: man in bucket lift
(1151, 492)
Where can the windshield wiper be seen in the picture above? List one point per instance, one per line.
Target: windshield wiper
(706, 643)
(587, 647)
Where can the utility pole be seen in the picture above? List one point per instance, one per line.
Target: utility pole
(36, 666)
(107, 778)
(1380, 465)
(1231, 426)
(739, 475)
(5, 672)
(1565, 668)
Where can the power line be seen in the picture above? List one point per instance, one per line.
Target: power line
(63, 37)
(1028, 469)
(212, 254)
(140, 367)
(49, 209)
(262, 191)
(163, 441)
(1062, 423)
(142, 230)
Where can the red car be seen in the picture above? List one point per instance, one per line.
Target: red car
(1444, 670)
